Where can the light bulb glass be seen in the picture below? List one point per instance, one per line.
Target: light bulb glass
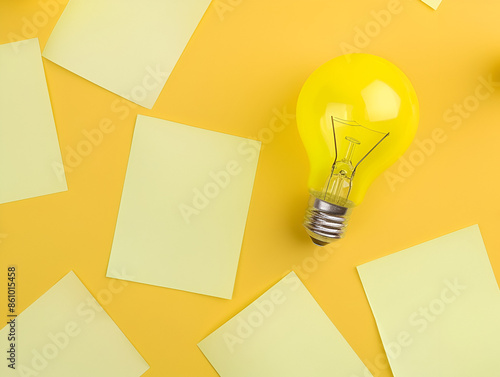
(356, 115)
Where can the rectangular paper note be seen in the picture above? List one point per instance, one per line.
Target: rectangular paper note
(437, 307)
(282, 333)
(434, 4)
(184, 207)
(30, 158)
(67, 333)
(128, 47)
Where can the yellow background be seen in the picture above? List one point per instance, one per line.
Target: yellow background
(237, 71)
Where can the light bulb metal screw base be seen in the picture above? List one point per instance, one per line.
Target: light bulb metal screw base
(325, 222)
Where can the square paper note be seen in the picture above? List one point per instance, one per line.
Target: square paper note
(184, 207)
(437, 307)
(434, 4)
(282, 333)
(30, 159)
(128, 47)
(67, 333)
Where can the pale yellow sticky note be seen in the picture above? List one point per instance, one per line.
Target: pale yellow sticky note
(282, 333)
(184, 207)
(128, 47)
(67, 333)
(437, 307)
(434, 4)
(30, 158)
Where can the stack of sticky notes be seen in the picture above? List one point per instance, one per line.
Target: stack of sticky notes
(125, 46)
(282, 333)
(67, 333)
(30, 158)
(437, 307)
(184, 207)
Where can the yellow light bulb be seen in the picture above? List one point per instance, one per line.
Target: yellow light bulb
(356, 115)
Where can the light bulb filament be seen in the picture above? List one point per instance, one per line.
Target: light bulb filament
(343, 171)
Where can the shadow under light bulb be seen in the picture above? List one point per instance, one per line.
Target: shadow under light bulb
(356, 115)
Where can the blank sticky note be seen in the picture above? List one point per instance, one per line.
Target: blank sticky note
(67, 333)
(184, 207)
(434, 4)
(128, 47)
(30, 158)
(282, 333)
(437, 307)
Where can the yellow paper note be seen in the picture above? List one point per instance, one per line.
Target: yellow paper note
(434, 4)
(282, 333)
(437, 307)
(128, 47)
(67, 333)
(30, 158)
(184, 207)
